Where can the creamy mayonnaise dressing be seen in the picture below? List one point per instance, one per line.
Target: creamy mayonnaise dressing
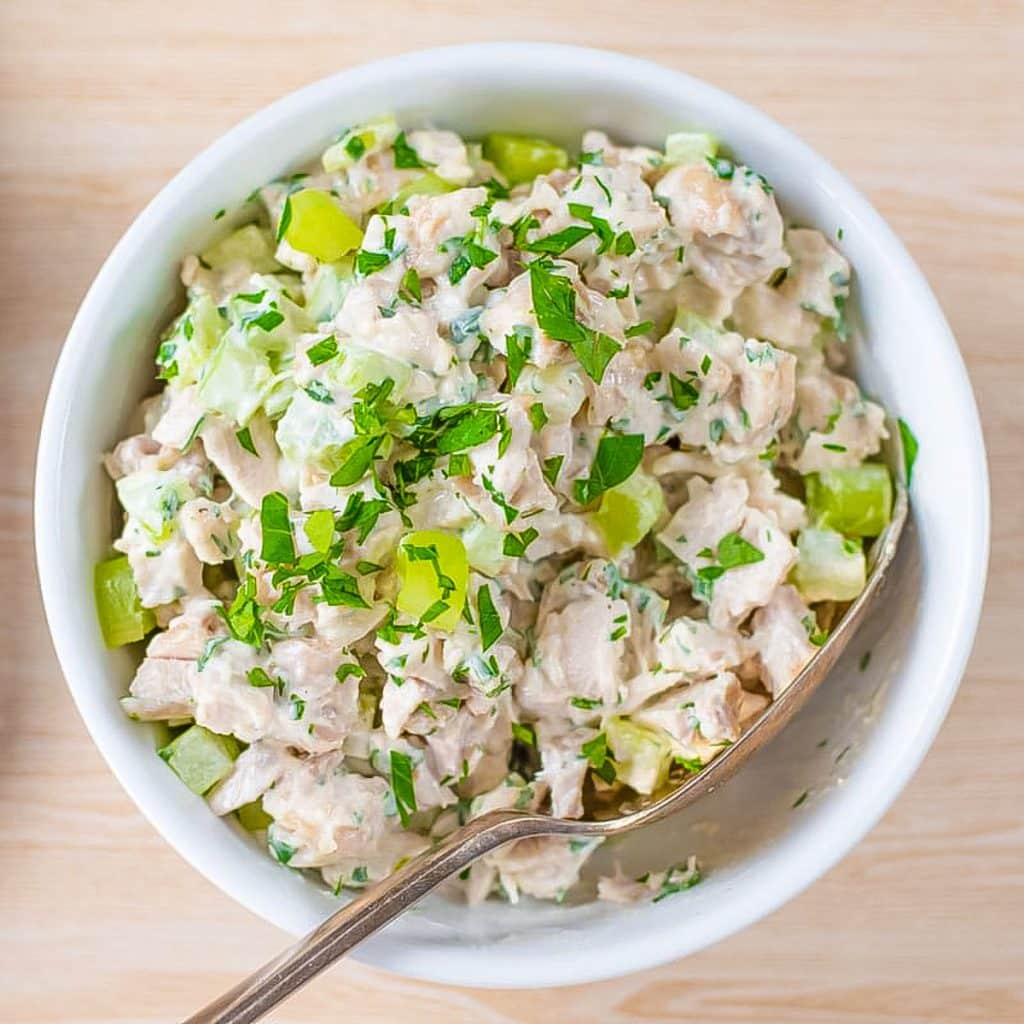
(601, 389)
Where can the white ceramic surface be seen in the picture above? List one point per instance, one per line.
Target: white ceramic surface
(757, 849)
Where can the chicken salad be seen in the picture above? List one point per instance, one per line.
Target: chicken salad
(484, 477)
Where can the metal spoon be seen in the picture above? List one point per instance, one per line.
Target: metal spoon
(368, 913)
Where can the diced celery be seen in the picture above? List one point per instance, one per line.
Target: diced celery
(200, 758)
(328, 289)
(319, 227)
(185, 348)
(312, 431)
(360, 141)
(695, 326)
(627, 512)
(152, 497)
(483, 544)
(689, 147)
(433, 574)
(559, 387)
(359, 366)
(279, 395)
(855, 501)
(521, 158)
(123, 620)
(642, 754)
(830, 567)
(252, 246)
(252, 817)
(265, 317)
(236, 380)
(428, 184)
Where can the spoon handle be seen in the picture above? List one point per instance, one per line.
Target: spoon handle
(368, 913)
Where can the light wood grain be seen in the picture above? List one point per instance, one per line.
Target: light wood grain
(921, 105)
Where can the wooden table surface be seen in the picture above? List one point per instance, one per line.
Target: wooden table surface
(920, 105)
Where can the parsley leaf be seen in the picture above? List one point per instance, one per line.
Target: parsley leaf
(402, 786)
(538, 416)
(318, 391)
(357, 456)
(559, 242)
(510, 511)
(258, 677)
(524, 733)
(341, 589)
(644, 327)
(515, 545)
(596, 752)
(910, 448)
(244, 438)
(617, 457)
(406, 156)
(600, 226)
(278, 545)
(243, 617)
(554, 305)
(734, 551)
(685, 394)
(368, 263)
(470, 427)
(551, 468)
(350, 668)
(326, 348)
(468, 254)
(286, 218)
(362, 514)
(625, 245)
(519, 347)
(410, 288)
(678, 879)
(490, 621)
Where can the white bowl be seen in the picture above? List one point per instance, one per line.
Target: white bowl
(757, 849)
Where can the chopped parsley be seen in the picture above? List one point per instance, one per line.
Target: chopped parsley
(319, 392)
(554, 305)
(402, 786)
(356, 456)
(286, 218)
(910, 448)
(490, 621)
(278, 544)
(596, 752)
(551, 468)
(468, 254)
(678, 879)
(326, 348)
(411, 290)
(524, 733)
(515, 544)
(645, 327)
(618, 455)
(519, 347)
(244, 438)
(684, 393)
(348, 669)
(406, 157)
(559, 242)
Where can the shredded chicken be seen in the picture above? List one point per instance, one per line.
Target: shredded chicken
(464, 495)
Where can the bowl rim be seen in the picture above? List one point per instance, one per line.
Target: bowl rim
(835, 833)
